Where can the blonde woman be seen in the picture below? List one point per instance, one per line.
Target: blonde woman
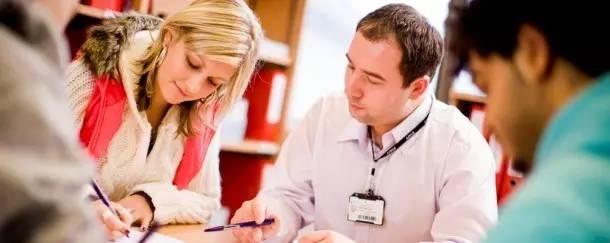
(148, 96)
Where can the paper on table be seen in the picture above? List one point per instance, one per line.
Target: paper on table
(135, 235)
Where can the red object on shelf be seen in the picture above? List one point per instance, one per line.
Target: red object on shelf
(507, 180)
(241, 178)
(242, 173)
(265, 98)
(116, 5)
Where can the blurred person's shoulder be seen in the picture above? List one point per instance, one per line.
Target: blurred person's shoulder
(34, 115)
(39, 146)
(32, 53)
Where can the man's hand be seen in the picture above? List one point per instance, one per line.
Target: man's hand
(257, 210)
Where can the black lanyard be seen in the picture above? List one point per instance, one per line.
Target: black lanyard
(394, 147)
(400, 142)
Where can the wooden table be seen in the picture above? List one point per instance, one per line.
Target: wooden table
(194, 234)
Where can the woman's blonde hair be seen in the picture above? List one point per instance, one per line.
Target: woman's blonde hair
(223, 30)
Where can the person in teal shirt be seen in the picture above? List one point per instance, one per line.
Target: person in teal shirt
(544, 66)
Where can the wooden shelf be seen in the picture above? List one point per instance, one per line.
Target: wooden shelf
(275, 52)
(253, 147)
(455, 97)
(94, 12)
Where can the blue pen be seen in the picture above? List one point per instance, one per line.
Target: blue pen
(240, 225)
(105, 200)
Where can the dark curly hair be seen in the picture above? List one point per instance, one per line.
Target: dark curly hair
(573, 30)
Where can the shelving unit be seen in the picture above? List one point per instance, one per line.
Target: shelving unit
(456, 97)
(281, 21)
(465, 101)
(275, 52)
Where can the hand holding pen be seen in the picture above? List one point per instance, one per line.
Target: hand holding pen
(255, 221)
(115, 217)
(154, 226)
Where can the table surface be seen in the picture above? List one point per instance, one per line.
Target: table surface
(195, 234)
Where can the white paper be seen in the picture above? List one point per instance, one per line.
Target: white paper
(135, 235)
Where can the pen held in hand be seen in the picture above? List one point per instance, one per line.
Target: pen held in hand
(102, 196)
(240, 225)
(153, 227)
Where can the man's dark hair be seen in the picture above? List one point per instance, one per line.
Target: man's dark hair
(574, 31)
(421, 44)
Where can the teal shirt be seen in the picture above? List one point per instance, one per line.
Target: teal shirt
(567, 196)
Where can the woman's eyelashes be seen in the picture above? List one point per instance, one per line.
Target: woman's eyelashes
(212, 82)
(196, 66)
(191, 64)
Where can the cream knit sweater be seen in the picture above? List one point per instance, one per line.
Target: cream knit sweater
(127, 169)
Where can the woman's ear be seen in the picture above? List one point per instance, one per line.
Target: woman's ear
(170, 35)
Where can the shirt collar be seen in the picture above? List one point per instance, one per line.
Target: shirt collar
(355, 130)
(411, 121)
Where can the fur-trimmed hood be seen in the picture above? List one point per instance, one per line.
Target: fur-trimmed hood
(114, 48)
(101, 51)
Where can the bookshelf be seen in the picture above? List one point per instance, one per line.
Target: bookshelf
(275, 52)
(281, 21)
(465, 101)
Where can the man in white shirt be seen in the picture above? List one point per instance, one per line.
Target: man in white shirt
(428, 177)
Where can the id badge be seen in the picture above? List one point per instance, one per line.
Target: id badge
(366, 208)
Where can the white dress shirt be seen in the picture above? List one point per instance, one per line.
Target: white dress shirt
(438, 186)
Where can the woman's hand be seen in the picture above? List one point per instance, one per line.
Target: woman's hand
(142, 209)
(116, 225)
